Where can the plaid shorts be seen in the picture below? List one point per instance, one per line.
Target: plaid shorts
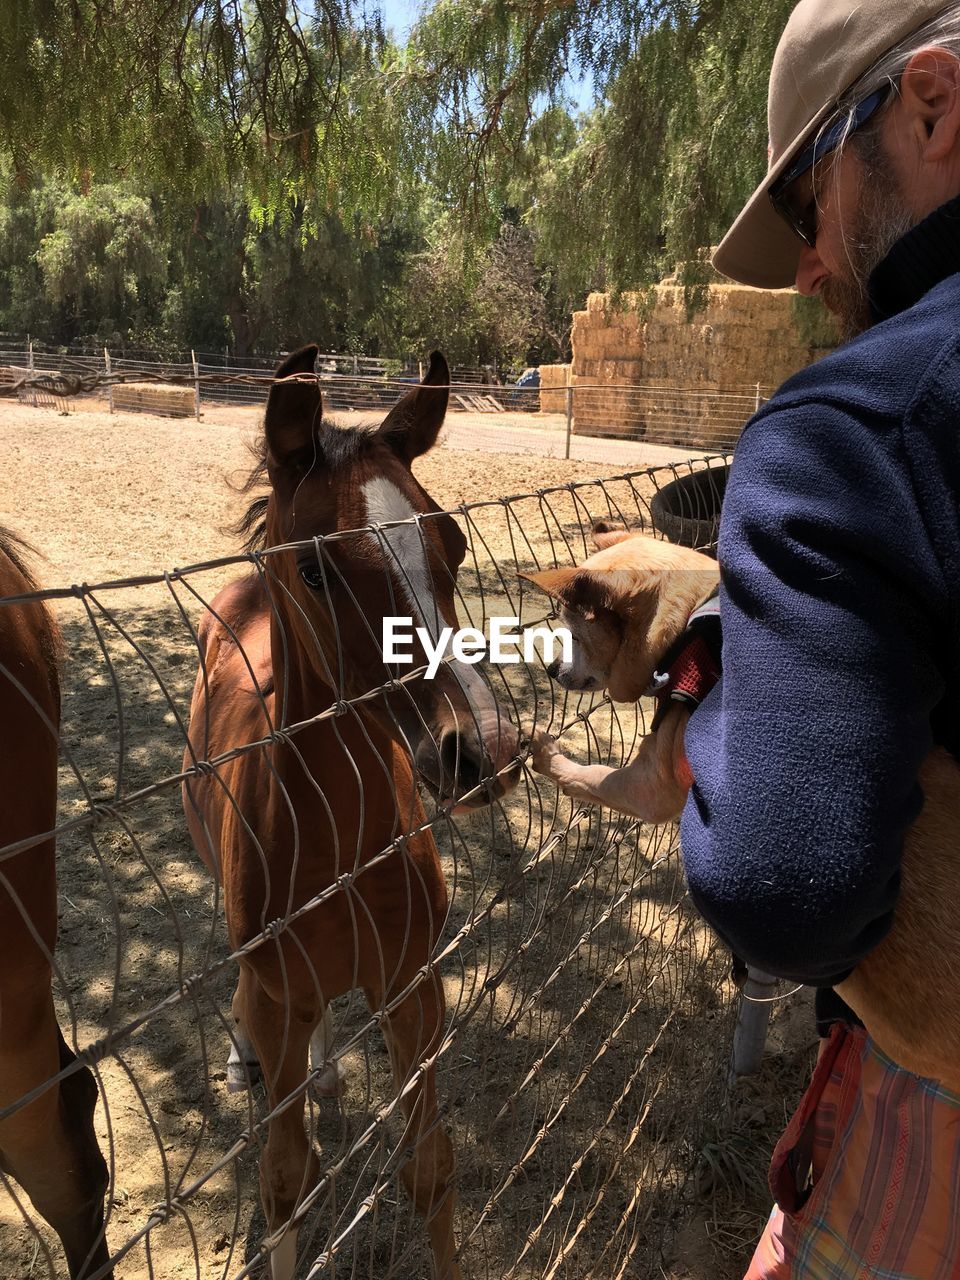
(866, 1177)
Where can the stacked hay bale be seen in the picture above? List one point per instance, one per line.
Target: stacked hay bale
(609, 355)
(154, 397)
(554, 380)
(740, 338)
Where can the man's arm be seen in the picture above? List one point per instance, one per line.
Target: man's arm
(805, 757)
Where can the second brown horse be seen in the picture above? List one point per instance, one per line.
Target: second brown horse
(48, 1144)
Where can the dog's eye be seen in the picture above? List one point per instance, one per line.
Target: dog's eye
(312, 576)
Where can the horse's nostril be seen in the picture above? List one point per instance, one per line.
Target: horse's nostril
(554, 669)
(461, 768)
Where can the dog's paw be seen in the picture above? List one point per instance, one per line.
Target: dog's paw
(543, 750)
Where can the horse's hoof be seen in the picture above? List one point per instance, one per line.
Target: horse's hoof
(331, 1082)
(242, 1074)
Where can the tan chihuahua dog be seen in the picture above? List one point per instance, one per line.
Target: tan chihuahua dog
(626, 606)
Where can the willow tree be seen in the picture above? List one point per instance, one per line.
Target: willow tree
(675, 141)
(199, 95)
(312, 106)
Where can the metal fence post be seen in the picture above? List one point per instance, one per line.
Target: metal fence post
(29, 353)
(108, 370)
(756, 403)
(196, 384)
(750, 1036)
(566, 451)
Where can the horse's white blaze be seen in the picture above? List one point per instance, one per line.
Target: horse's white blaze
(384, 503)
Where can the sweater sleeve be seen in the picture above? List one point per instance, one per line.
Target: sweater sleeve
(805, 756)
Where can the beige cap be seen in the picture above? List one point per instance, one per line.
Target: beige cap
(826, 46)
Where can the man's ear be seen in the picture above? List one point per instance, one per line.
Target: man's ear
(930, 93)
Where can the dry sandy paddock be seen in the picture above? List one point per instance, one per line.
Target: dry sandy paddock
(587, 1071)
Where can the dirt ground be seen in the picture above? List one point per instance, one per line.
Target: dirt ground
(105, 496)
(585, 1088)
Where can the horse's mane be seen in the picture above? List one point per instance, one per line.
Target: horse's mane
(16, 549)
(251, 526)
(334, 447)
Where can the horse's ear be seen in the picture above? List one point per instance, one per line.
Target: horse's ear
(294, 405)
(413, 424)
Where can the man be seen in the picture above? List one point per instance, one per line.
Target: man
(840, 549)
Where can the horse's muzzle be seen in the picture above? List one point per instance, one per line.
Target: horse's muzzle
(466, 773)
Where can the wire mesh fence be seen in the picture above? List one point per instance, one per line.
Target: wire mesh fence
(536, 962)
(689, 418)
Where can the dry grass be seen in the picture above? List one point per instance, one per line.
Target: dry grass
(586, 1087)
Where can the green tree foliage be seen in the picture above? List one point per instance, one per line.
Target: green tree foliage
(102, 260)
(108, 265)
(659, 167)
(265, 163)
(313, 106)
(199, 95)
(496, 306)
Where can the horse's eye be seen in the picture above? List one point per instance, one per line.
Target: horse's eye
(312, 576)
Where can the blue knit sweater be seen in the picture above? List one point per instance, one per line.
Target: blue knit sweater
(840, 605)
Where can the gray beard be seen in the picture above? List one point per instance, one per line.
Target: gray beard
(881, 220)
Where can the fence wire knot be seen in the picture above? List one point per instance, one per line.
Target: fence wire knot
(96, 1051)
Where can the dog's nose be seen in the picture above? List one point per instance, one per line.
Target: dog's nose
(554, 669)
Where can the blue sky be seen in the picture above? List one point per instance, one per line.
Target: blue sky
(402, 14)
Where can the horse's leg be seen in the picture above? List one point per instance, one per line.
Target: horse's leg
(49, 1145)
(243, 1065)
(329, 1083)
(288, 1166)
(413, 1031)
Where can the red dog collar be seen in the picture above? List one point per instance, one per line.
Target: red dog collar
(691, 667)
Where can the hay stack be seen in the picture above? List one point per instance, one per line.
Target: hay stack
(154, 397)
(742, 337)
(554, 380)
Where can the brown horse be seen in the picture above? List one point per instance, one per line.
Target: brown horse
(48, 1145)
(281, 824)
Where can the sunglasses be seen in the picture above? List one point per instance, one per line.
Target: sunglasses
(801, 214)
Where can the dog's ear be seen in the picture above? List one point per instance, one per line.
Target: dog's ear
(604, 538)
(553, 581)
(606, 531)
(585, 591)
